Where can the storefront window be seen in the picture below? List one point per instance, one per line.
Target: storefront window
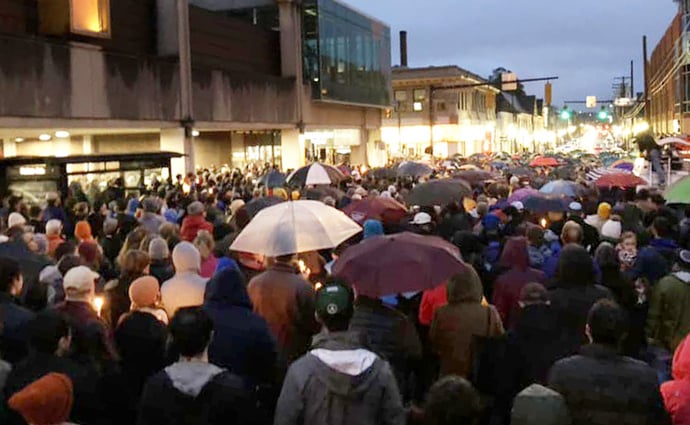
(91, 17)
(346, 54)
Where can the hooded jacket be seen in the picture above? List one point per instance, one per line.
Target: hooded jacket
(194, 393)
(13, 336)
(455, 324)
(192, 224)
(508, 285)
(186, 288)
(668, 320)
(339, 383)
(676, 393)
(242, 341)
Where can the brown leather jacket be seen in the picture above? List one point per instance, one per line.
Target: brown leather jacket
(286, 301)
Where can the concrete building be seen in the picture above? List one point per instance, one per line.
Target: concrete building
(222, 81)
(669, 77)
(434, 113)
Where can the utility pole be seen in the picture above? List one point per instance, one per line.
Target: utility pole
(186, 101)
(647, 105)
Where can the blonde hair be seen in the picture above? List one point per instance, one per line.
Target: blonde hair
(133, 241)
(204, 243)
(571, 233)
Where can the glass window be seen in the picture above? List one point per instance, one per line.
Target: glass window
(419, 95)
(91, 17)
(346, 54)
(418, 106)
(400, 95)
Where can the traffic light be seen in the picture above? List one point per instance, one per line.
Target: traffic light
(566, 114)
(603, 115)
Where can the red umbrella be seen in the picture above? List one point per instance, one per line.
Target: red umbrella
(544, 161)
(386, 265)
(388, 210)
(622, 180)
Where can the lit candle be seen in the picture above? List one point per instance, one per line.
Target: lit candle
(98, 305)
(543, 223)
(318, 285)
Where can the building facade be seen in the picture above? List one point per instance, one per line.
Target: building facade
(439, 111)
(669, 77)
(222, 81)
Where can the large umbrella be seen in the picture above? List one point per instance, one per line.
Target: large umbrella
(273, 178)
(314, 174)
(387, 210)
(439, 192)
(621, 180)
(386, 265)
(560, 188)
(414, 169)
(544, 161)
(542, 204)
(520, 194)
(474, 176)
(294, 227)
(678, 192)
(253, 207)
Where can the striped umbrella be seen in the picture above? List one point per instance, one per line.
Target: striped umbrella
(314, 174)
(597, 173)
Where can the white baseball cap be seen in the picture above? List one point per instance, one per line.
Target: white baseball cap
(15, 219)
(518, 206)
(80, 279)
(421, 218)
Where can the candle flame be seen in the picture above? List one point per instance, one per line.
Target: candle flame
(98, 305)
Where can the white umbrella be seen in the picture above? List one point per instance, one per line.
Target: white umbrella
(314, 174)
(294, 227)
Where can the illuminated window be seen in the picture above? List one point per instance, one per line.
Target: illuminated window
(90, 17)
(418, 106)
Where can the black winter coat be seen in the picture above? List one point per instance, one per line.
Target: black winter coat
(601, 387)
(162, 270)
(200, 398)
(88, 407)
(571, 304)
(14, 319)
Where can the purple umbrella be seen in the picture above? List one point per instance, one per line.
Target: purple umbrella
(393, 264)
(627, 166)
(542, 203)
(520, 194)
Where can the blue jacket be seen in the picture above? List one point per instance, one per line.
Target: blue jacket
(242, 341)
(550, 268)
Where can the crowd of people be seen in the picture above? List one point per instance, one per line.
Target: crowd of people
(123, 309)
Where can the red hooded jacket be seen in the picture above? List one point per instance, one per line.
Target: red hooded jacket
(192, 224)
(509, 284)
(676, 393)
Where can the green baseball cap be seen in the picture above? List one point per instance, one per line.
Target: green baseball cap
(333, 299)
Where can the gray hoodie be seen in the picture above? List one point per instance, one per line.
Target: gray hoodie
(339, 383)
(538, 405)
(190, 378)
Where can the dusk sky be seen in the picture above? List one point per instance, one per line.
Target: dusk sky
(586, 43)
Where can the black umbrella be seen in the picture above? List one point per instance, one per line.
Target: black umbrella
(273, 178)
(384, 173)
(414, 169)
(253, 207)
(543, 204)
(439, 192)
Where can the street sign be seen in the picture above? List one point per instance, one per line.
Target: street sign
(623, 101)
(591, 101)
(548, 93)
(509, 81)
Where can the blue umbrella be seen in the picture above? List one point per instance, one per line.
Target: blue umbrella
(544, 204)
(273, 178)
(560, 188)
